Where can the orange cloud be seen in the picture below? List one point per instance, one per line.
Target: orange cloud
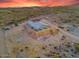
(28, 3)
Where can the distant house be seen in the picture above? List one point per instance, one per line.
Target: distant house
(38, 30)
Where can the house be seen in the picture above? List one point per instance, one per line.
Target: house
(38, 29)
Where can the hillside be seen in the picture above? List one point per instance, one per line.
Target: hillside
(14, 15)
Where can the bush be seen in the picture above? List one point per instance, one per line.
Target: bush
(77, 46)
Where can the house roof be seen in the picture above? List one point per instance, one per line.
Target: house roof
(37, 25)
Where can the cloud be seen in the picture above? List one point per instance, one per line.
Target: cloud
(5, 3)
(2, 1)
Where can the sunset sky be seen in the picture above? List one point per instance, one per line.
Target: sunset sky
(29, 3)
